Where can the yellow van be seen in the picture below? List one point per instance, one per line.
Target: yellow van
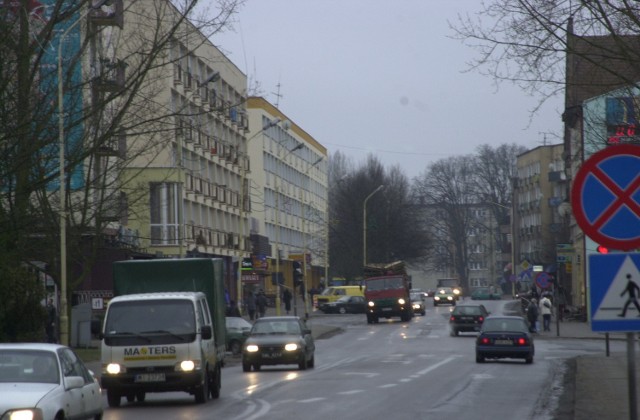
(333, 293)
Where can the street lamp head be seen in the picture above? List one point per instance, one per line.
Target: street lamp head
(271, 123)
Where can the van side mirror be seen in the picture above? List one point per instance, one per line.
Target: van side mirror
(206, 332)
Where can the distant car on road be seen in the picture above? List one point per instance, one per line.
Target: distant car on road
(46, 381)
(503, 337)
(345, 305)
(485, 293)
(236, 328)
(467, 318)
(417, 301)
(444, 295)
(278, 340)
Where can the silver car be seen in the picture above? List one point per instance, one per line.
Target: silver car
(46, 381)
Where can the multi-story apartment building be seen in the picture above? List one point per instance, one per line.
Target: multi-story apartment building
(539, 193)
(596, 67)
(287, 198)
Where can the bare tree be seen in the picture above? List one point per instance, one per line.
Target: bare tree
(110, 74)
(447, 191)
(528, 42)
(394, 229)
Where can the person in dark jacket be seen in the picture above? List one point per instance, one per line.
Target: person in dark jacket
(251, 306)
(286, 296)
(233, 310)
(261, 303)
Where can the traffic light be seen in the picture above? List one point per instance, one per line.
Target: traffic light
(602, 249)
(297, 274)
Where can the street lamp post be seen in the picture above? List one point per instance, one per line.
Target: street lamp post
(364, 225)
(277, 189)
(64, 319)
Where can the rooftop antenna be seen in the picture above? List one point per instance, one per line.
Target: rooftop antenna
(278, 95)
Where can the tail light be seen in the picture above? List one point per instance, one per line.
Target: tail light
(481, 318)
(484, 340)
(452, 318)
(522, 341)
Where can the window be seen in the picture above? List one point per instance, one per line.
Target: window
(164, 203)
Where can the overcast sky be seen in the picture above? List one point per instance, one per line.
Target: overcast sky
(381, 77)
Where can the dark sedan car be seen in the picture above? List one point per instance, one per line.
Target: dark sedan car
(278, 340)
(467, 318)
(503, 337)
(345, 305)
(236, 336)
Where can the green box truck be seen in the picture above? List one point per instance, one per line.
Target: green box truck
(165, 329)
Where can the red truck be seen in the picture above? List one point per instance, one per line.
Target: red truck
(387, 292)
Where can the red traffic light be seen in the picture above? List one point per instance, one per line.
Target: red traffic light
(602, 249)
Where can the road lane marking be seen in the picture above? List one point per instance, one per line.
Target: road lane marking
(437, 365)
(351, 392)
(310, 400)
(387, 386)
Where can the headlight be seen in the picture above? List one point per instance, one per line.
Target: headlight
(24, 414)
(291, 347)
(436, 298)
(188, 366)
(401, 301)
(371, 303)
(456, 291)
(114, 369)
(416, 306)
(252, 348)
(449, 297)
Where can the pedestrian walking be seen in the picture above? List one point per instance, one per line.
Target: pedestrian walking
(532, 315)
(233, 310)
(286, 296)
(251, 305)
(632, 290)
(545, 310)
(261, 303)
(50, 326)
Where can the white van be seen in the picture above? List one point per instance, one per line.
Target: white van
(159, 342)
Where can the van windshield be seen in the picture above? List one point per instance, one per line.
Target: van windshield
(151, 322)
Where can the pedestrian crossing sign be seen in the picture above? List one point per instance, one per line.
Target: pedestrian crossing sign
(614, 292)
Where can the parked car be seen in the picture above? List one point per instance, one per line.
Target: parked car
(485, 293)
(417, 301)
(345, 305)
(444, 295)
(505, 337)
(236, 328)
(467, 318)
(278, 340)
(46, 382)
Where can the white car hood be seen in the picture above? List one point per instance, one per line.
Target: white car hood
(15, 395)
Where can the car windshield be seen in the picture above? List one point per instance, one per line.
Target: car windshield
(385, 284)
(504, 325)
(482, 290)
(416, 296)
(29, 366)
(445, 291)
(467, 310)
(238, 323)
(276, 327)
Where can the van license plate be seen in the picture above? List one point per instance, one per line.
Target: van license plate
(150, 377)
(504, 342)
(386, 309)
